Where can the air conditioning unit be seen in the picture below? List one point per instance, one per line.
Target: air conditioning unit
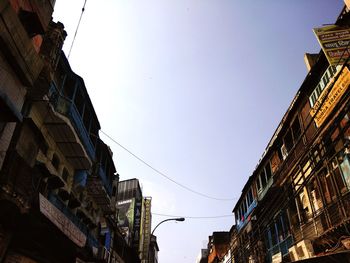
(302, 250)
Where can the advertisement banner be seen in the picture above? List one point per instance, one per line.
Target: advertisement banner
(137, 223)
(126, 210)
(334, 41)
(329, 98)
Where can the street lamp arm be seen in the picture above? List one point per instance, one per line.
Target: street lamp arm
(169, 219)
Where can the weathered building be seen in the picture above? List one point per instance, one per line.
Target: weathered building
(153, 250)
(218, 245)
(22, 29)
(58, 182)
(202, 256)
(295, 206)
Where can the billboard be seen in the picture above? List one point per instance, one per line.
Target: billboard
(334, 41)
(126, 210)
(329, 98)
(137, 223)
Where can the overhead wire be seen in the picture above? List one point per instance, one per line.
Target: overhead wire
(76, 30)
(193, 217)
(164, 175)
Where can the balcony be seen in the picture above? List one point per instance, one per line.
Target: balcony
(100, 190)
(263, 192)
(66, 126)
(246, 217)
(60, 205)
(91, 241)
(67, 107)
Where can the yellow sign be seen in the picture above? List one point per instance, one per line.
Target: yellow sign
(329, 98)
(334, 41)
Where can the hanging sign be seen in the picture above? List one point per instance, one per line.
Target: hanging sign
(334, 41)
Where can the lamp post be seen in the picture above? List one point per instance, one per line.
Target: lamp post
(180, 219)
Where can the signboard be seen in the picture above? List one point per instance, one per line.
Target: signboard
(329, 98)
(137, 223)
(126, 210)
(61, 221)
(334, 41)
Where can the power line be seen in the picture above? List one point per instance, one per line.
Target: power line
(76, 31)
(194, 217)
(164, 175)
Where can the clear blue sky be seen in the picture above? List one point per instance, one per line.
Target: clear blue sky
(194, 87)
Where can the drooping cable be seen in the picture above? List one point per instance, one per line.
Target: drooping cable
(194, 217)
(76, 30)
(164, 175)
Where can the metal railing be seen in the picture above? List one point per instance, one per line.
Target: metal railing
(68, 108)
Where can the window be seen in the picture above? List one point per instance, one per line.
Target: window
(65, 174)
(315, 196)
(296, 129)
(268, 171)
(2, 127)
(263, 178)
(244, 207)
(304, 205)
(326, 186)
(267, 238)
(291, 137)
(250, 196)
(274, 237)
(288, 140)
(55, 161)
(258, 184)
(345, 168)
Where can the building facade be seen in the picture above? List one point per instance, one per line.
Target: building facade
(134, 217)
(296, 204)
(218, 246)
(58, 181)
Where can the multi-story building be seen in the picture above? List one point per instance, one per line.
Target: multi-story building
(218, 245)
(153, 250)
(130, 212)
(22, 28)
(134, 219)
(58, 182)
(202, 256)
(296, 204)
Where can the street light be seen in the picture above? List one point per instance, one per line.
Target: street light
(180, 219)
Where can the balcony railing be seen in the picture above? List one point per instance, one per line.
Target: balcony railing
(107, 185)
(58, 203)
(246, 218)
(67, 107)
